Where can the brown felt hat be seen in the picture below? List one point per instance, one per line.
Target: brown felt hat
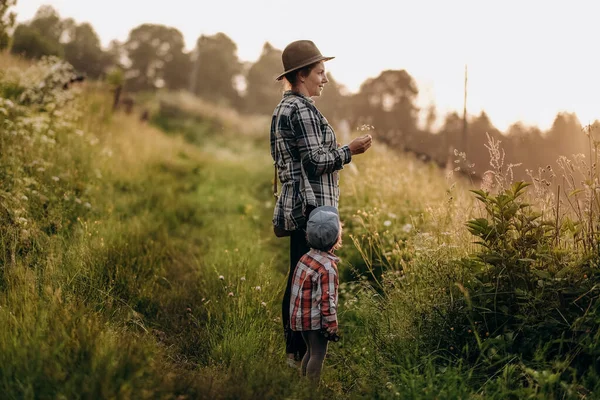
(299, 54)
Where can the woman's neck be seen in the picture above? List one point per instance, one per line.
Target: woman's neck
(301, 89)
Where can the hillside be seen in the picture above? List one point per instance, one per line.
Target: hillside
(138, 261)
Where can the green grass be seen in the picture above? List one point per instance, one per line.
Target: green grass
(138, 263)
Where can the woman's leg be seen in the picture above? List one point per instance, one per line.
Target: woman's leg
(317, 344)
(294, 344)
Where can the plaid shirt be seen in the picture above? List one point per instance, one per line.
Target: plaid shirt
(300, 132)
(314, 296)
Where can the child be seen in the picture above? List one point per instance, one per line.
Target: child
(314, 297)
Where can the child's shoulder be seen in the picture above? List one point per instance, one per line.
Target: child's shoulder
(322, 258)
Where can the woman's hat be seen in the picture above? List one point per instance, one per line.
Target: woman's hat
(299, 54)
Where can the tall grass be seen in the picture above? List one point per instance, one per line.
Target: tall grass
(139, 264)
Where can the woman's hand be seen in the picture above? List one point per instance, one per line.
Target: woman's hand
(332, 329)
(360, 144)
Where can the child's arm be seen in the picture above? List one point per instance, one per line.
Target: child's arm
(329, 298)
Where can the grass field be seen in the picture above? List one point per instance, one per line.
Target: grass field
(138, 261)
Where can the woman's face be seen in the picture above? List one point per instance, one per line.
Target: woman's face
(315, 81)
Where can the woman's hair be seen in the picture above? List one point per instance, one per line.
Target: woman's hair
(292, 77)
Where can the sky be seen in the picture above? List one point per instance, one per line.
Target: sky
(527, 60)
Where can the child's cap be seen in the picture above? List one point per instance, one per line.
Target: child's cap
(323, 227)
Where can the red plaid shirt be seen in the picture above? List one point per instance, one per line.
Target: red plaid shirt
(314, 297)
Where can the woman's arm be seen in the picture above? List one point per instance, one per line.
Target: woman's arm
(317, 160)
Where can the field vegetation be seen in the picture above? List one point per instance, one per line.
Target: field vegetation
(137, 260)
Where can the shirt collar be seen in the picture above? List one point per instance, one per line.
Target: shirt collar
(327, 254)
(292, 93)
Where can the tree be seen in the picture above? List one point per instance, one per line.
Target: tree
(30, 43)
(215, 66)
(156, 55)
(477, 140)
(83, 50)
(47, 22)
(41, 37)
(388, 103)
(7, 21)
(177, 71)
(262, 91)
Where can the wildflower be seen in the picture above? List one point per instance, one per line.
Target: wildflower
(230, 294)
(221, 277)
(392, 215)
(188, 310)
(77, 200)
(257, 288)
(55, 178)
(407, 228)
(87, 205)
(24, 198)
(243, 279)
(262, 303)
(387, 223)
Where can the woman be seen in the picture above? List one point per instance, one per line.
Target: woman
(307, 158)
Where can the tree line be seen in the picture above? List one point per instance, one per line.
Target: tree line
(154, 58)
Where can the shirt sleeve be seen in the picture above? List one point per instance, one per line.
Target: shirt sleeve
(329, 298)
(316, 159)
